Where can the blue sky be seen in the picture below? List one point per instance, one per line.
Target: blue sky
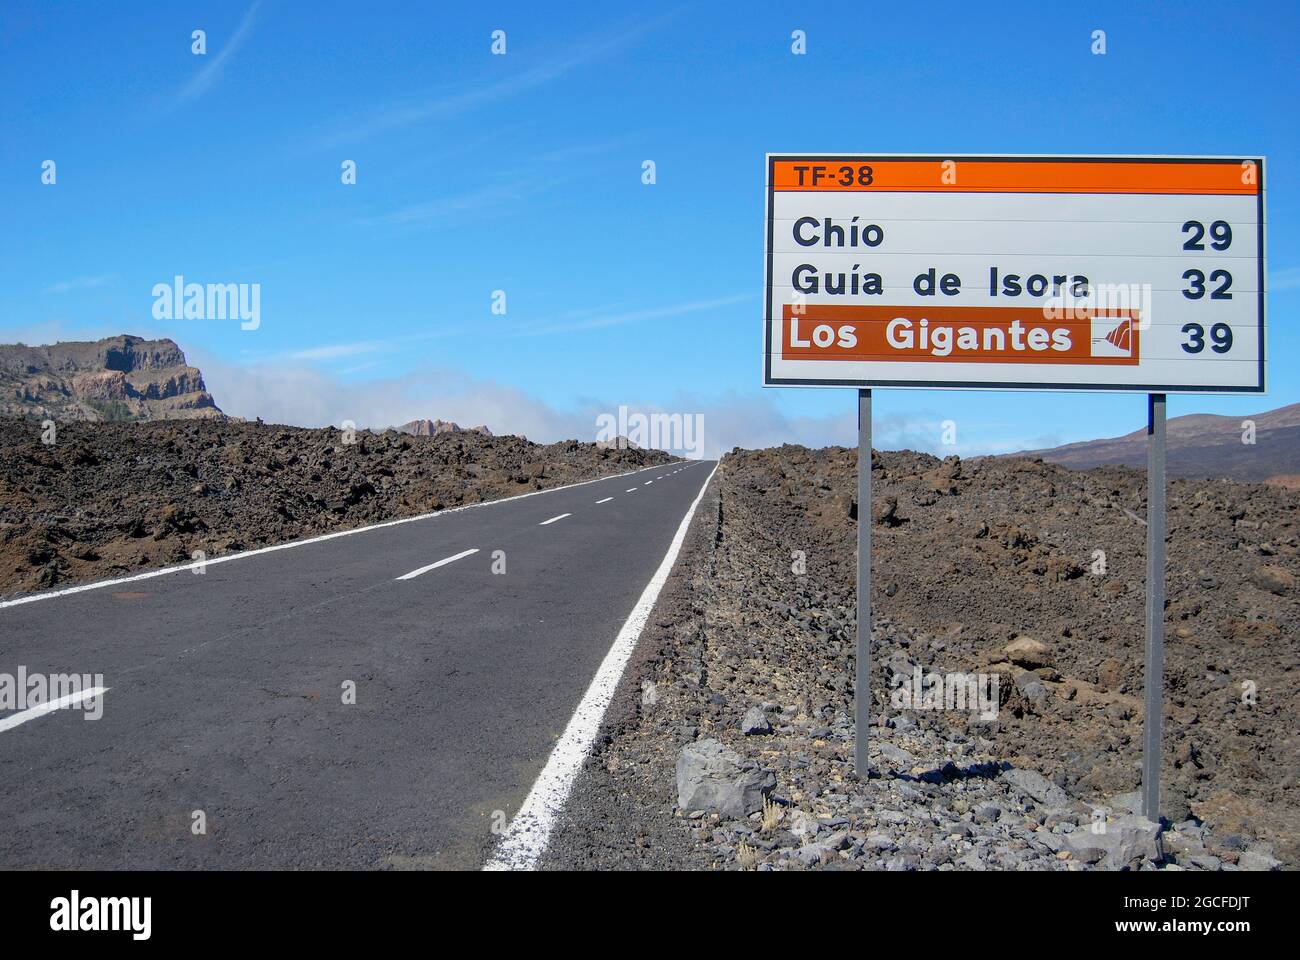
(522, 173)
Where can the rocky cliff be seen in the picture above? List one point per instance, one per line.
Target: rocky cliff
(431, 428)
(118, 378)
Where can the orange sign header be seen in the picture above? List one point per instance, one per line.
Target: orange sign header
(1023, 175)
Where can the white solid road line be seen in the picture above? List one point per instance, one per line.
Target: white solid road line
(22, 716)
(606, 500)
(526, 837)
(553, 519)
(434, 566)
(243, 554)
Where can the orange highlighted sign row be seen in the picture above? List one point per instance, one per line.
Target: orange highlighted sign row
(947, 334)
(1023, 175)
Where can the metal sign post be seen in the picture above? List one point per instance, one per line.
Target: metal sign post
(862, 682)
(1152, 721)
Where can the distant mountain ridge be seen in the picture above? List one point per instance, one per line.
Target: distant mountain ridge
(117, 378)
(427, 428)
(1201, 445)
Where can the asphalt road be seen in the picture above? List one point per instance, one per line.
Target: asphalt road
(226, 688)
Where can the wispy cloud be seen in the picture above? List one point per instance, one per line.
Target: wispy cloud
(336, 351)
(396, 116)
(474, 203)
(567, 154)
(619, 318)
(211, 72)
(1288, 279)
(81, 283)
(568, 322)
(356, 348)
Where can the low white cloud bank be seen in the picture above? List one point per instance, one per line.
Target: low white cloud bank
(303, 396)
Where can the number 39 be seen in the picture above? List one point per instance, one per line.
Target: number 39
(1220, 335)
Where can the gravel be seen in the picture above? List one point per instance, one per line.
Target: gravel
(1010, 568)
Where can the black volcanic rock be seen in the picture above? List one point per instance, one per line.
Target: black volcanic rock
(113, 498)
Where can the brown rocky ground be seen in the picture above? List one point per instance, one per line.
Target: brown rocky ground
(108, 499)
(969, 558)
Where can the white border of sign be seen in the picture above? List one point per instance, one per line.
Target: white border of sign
(769, 381)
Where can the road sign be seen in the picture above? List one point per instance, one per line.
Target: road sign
(1141, 274)
(1137, 274)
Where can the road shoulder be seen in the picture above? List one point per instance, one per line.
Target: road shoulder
(606, 824)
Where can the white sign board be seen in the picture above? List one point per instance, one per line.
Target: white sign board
(1140, 274)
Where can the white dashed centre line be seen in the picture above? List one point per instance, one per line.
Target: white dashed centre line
(553, 519)
(629, 489)
(606, 500)
(434, 566)
(294, 544)
(22, 716)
